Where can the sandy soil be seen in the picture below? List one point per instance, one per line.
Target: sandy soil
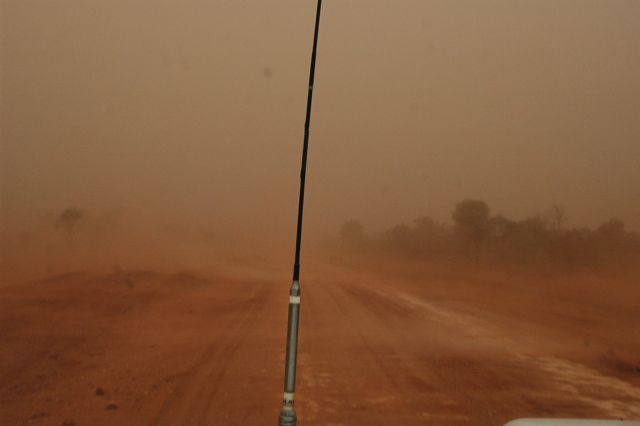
(392, 346)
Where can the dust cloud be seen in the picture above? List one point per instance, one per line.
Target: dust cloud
(189, 115)
(470, 249)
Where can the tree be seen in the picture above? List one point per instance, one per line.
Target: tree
(555, 218)
(471, 219)
(501, 228)
(69, 219)
(612, 229)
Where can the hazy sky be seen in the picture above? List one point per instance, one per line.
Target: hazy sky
(192, 111)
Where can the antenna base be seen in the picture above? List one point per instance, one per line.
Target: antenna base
(287, 417)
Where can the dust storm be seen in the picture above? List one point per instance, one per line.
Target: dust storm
(470, 249)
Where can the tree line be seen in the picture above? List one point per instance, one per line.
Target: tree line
(477, 236)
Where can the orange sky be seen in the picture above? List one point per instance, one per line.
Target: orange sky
(191, 112)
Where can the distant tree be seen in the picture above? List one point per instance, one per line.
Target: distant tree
(611, 229)
(555, 218)
(428, 228)
(501, 228)
(429, 237)
(471, 219)
(531, 241)
(68, 220)
(577, 248)
(399, 238)
(614, 242)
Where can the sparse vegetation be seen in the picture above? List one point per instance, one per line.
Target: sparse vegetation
(479, 237)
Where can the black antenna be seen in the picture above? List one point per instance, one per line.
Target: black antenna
(288, 414)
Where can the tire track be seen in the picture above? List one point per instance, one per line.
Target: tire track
(191, 400)
(410, 391)
(608, 395)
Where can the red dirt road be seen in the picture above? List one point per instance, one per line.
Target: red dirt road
(150, 348)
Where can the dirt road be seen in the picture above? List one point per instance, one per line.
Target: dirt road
(144, 347)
